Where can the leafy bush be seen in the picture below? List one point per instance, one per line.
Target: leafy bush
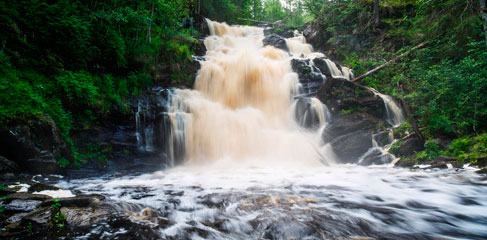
(430, 152)
(469, 149)
(403, 130)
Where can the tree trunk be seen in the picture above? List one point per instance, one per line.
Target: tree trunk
(483, 12)
(376, 13)
(388, 62)
(149, 37)
(412, 120)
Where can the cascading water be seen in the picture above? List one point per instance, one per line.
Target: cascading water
(250, 136)
(395, 115)
(241, 109)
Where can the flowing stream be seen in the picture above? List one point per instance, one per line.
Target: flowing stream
(244, 168)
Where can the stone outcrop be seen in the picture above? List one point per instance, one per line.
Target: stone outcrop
(357, 113)
(275, 41)
(28, 216)
(408, 146)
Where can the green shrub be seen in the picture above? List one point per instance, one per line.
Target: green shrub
(469, 149)
(403, 130)
(430, 152)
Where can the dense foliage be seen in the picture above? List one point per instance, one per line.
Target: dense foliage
(77, 61)
(444, 83)
(290, 12)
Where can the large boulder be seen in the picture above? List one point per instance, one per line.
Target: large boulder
(343, 95)
(81, 217)
(408, 146)
(310, 77)
(275, 41)
(35, 146)
(287, 32)
(7, 165)
(350, 136)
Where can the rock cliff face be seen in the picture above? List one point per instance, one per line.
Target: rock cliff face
(357, 113)
(33, 148)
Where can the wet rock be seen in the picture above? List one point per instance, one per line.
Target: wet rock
(405, 162)
(27, 196)
(321, 64)
(350, 136)
(306, 114)
(7, 176)
(482, 161)
(37, 187)
(40, 216)
(199, 24)
(45, 163)
(284, 31)
(20, 205)
(351, 146)
(482, 171)
(341, 94)
(16, 217)
(309, 76)
(7, 165)
(133, 230)
(441, 165)
(378, 160)
(408, 146)
(80, 217)
(199, 47)
(34, 146)
(148, 214)
(275, 41)
(317, 36)
(375, 156)
(443, 158)
(383, 138)
(78, 201)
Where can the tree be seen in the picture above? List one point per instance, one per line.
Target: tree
(376, 13)
(483, 10)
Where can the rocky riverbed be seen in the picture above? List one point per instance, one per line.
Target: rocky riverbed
(341, 202)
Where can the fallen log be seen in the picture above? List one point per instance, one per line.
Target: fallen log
(255, 21)
(388, 62)
(263, 22)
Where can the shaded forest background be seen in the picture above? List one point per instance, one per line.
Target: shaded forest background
(77, 62)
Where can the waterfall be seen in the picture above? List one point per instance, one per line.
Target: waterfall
(240, 111)
(395, 115)
(297, 46)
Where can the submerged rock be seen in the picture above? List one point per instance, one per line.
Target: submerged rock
(77, 201)
(80, 217)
